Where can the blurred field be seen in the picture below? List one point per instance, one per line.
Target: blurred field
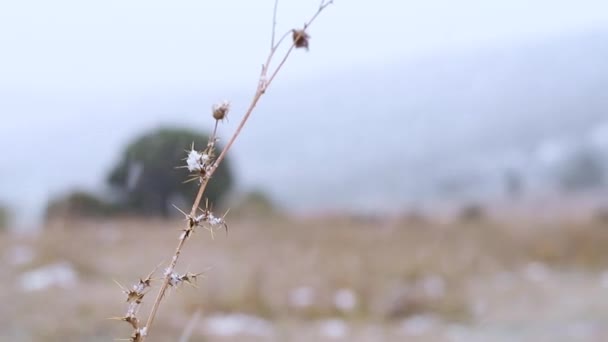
(317, 279)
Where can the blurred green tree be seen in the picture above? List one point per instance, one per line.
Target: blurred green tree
(148, 180)
(79, 204)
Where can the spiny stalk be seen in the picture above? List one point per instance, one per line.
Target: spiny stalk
(202, 165)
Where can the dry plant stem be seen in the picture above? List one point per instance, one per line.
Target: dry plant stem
(214, 135)
(263, 84)
(261, 89)
(274, 22)
(171, 268)
(182, 241)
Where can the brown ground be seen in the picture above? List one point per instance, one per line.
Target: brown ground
(413, 280)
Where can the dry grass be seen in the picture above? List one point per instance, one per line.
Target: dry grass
(397, 268)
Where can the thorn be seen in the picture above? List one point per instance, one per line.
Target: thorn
(190, 180)
(119, 285)
(149, 276)
(224, 221)
(211, 231)
(181, 211)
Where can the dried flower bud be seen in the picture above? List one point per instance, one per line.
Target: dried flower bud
(220, 110)
(300, 38)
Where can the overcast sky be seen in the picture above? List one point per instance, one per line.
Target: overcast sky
(120, 45)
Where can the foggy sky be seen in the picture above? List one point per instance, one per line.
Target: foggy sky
(70, 69)
(119, 45)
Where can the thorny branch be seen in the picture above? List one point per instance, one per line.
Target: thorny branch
(170, 278)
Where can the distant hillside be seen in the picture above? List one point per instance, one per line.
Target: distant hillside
(476, 112)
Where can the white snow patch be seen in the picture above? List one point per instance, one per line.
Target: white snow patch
(302, 297)
(419, 325)
(334, 329)
(345, 299)
(230, 325)
(60, 274)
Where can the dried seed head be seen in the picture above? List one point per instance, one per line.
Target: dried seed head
(137, 292)
(209, 221)
(186, 278)
(220, 110)
(300, 38)
(135, 296)
(174, 279)
(131, 319)
(190, 278)
(139, 334)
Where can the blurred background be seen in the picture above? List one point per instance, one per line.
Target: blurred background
(428, 171)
